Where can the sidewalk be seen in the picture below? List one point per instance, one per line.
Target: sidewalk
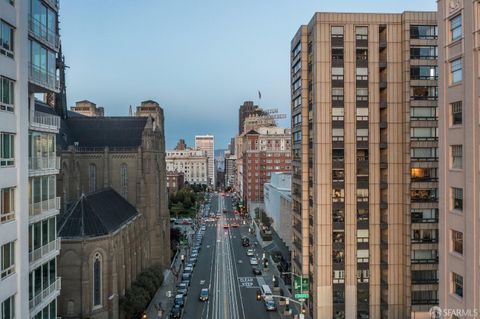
(169, 286)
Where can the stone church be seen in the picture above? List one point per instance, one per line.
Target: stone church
(116, 160)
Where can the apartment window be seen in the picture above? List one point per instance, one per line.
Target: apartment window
(6, 39)
(297, 85)
(423, 72)
(7, 149)
(337, 154)
(423, 32)
(338, 113)
(361, 55)
(362, 94)
(362, 235)
(362, 215)
(337, 54)
(338, 175)
(337, 134)
(424, 93)
(362, 155)
(361, 33)
(297, 102)
(362, 134)
(338, 256)
(7, 307)
(337, 73)
(42, 64)
(297, 119)
(363, 275)
(7, 202)
(362, 256)
(457, 156)
(297, 67)
(457, 284)
(457, 198)
(421, 174)
(456, 71)
(337, 94)
(7, 259)
(97, 280)
(426, 215)
(424, 52)
(297, 50)
(424, 256)
(43, 21)
(456, 27)
(457, 242)
(338, 236)
(92, 177)
(337, 32)
(362, 114)
(6, 94)
(297, 137)
(338, 215)
(362, 74)
(423, 133)
(456, 109)
(425, 113)
(338, 195)
(424, 276)
(424, 153)
(338, 276)
(362, 194)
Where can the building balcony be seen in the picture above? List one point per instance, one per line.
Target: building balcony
(45, 122)
(43, 165)
(42, 80)
(45, 209)
(46, 296)
(43, 34)
(44, 253)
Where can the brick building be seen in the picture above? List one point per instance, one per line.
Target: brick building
(175, 181)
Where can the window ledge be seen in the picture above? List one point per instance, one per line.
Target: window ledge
(456, 170)
(455, 42)
(455, 126)
(456, 255)
(453, 85)
(456, 212)
(456, 297)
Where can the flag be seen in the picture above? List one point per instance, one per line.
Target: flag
(259, 95)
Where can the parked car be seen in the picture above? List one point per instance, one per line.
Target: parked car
(256, 271)
(270, 305)
(186, 277)
(204, 294)
(176, 312)
(182, 288)
(188, 270)
(179, 300)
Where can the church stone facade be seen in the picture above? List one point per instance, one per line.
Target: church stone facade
(126, 154)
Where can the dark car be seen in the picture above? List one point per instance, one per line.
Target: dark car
(176, 312)
(245, 242)
(179, 300)
(270, 305)
(182, 288)
(256, 271)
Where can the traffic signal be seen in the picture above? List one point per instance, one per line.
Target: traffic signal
(144, 316)
(304, 310)
(259, 295)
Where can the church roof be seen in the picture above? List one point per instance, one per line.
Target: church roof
(104, 131)
(96, 214)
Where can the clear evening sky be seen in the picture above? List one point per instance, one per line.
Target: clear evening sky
(199, 59)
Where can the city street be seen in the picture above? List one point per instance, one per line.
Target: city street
(224, 268)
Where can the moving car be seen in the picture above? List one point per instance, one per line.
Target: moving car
(253, 261)
(225, 226)
(245, 242)
(250, 252)
(204, 294)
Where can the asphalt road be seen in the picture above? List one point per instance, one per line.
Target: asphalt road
(224, 268)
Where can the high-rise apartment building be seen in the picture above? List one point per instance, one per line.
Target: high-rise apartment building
(264, 151)
(364, 182)
(206, 143)
(29, 39)
(192, 163)
(459, 87)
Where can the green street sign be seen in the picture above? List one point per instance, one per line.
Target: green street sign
(300, 285)
(301, 296)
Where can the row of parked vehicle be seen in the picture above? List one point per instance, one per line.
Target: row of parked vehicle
(183, 287)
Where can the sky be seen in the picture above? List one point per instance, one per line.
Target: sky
(198, 59)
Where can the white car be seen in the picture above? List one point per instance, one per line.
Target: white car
(250, 252)
(253, 261)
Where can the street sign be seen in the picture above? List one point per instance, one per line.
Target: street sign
(300, 285)
(301, 296)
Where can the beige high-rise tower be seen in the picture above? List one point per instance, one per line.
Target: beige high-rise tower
(459, 225)
(364, 182)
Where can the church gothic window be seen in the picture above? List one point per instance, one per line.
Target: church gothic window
(97, 280)
(92, 177)
(124, 180)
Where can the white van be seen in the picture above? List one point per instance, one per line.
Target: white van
(266, 292)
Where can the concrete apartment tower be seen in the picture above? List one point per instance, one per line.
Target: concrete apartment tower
(364, 180)
(29, 285)
(459, 272)
(206, 143)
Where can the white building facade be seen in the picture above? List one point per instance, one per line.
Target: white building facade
(192, 163)
(277, 200)
(29, 36)
(207, 143)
